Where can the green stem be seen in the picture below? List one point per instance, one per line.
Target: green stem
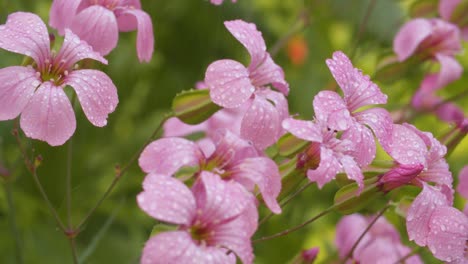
(12, 220)
(362, 27)
(73, 247)
(121, 171)
(69, 173)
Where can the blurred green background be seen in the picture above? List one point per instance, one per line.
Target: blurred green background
(189, 35)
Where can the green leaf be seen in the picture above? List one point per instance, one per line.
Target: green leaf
(194, 106)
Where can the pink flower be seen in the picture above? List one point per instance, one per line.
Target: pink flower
(446, 10)
(233, 159)
(218, 2)
(381, 244)
(419, 158)
(432, 222)
(36, 92)
(232, 85)
(432, 39)
(462, 187)
(327, 155)
(98, 22)
(215, 217)
(342, 114)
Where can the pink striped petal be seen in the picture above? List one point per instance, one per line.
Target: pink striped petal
(327, 169)
(179, 247)
(251, 39)
(229, 83)
(450, 70)
(265, 174)
(26, 34)
(437, 172)
(364, 149)
(62, 13)
(407, 147)
(449, 234)
(280, 102)
(352, 171)
(419, 214)
(96, 92)
(302, 129)
(219, 200)
(73, 50)
(330, 109)
(410, 36)
(167, 199)
(261, 123)
(145, 37)
(173, 127)
(358, 89)
(462, 187)
(167, 155)
(446, 8)
(380, 121)
(230, 148)
(97, 26)
(269, 72)
(49, 115)
(17, 85)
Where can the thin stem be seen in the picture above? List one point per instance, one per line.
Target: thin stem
(69, 174)
(12, 220)
(407, 256)
(350, 253)
(290, 230)
(121, 171)
(73, 247)
(362, 27)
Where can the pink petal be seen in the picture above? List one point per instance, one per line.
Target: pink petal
(230, 148)
(462, 187)
(302, 129)
(407, 147)
(229, 83)
(261, 123)
(410, 37)
(400, 175)
(49, 115)
(167, 155)
(464, 33)
(173, 127)
(226, 118)
(279, 101)
(97, 26)
(74, 50)
(327, 169)
(380, 121)
(167, 199)
(269, 73)
(352, 171)
(449, 233)
(178, 247)
(330, 109)
(145, 37)
(364, 144)
(62, 13)
(26, 34)
(450, 70)
(219, 200)
(438, 172)
(17, 85)
(358, 89)
(348, 231)
(251, 38)
(446, 8)
(265, 174)
(419, 214)
(96, 92)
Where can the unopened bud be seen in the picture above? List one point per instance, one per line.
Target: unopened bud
(194, 106)
(289, 145)
(399, 176)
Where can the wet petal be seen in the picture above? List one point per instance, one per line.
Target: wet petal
(49, 116)
(269, 73)
(251, 38)
(62, 13)
(419, 214)
(167, 155)
(261, 123)
(330, 109)
(353, 171)
(230, 148)
(17, 85)
(145, 37)
(26, 34)
(410, 36)
(229, 83)
(265, 174)
(96, 92)
(437, 172)
(302, 129)
(98, 27)
(358, 89)
(407, 147)
(327, 169)
(167, 199)
(380, 121)
(462, 187)
(364, 144)
(449, 233)
(450, 70)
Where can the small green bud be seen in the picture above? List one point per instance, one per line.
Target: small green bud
(194, 106)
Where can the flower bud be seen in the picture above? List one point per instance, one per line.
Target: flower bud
(401, 175)
(194, 106)
(289, 145)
